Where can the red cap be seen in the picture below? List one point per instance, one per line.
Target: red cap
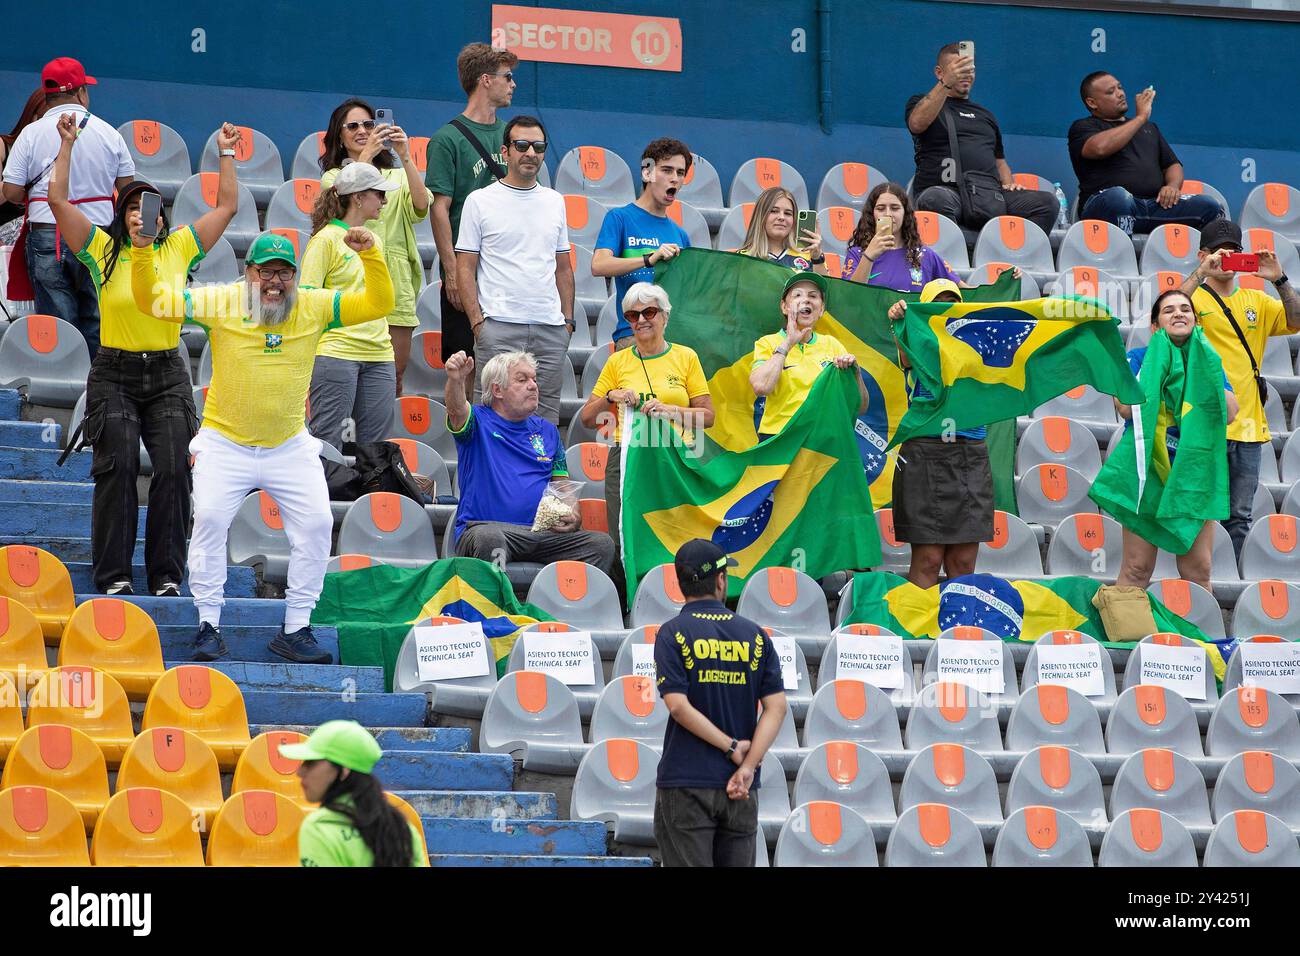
(64, 74)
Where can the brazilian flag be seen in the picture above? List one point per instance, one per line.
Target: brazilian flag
(374, 608)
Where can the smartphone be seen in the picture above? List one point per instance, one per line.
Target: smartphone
(384, 115)
(1239, 262)
(884, 226)
(150, 210)
(966, 48)
(805, 222)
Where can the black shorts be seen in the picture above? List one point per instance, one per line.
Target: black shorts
(456, 333)
(943, 492)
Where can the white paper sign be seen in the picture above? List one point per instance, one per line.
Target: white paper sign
(977, 664)
(881, 661)
(567, 656)
(784, 645)
(451, 651)
(643, 660)
(1180, 669)
(1077, 666)
(1274, 667)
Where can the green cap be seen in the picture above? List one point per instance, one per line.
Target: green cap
(344, 742)
(815, 278)
(270, 246)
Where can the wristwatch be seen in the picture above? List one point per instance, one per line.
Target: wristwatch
(818, 261)
(646, 259)
(228, 152)
(732, 749)
(1280, 281)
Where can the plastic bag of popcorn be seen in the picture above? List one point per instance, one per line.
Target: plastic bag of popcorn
(559, 504)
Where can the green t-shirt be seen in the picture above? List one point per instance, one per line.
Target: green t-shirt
(328, 838)
(456, 169)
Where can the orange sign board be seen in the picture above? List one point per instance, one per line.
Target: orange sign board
(586, 37)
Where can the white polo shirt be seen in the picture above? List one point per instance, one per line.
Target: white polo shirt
(517, 234)
(98, 159)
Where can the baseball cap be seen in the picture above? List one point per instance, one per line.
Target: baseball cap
(358, 177)
(63, 74)
(815, 278)
(698, 558)
(344, 742)
(270, 246)
(127, 192)
(1219, 233)
(936, 287)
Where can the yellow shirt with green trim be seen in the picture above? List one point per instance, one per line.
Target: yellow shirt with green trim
(674, 376)
(261, 373)
(1260, 317)
(802, 366)
(121, 324)
(328, 263)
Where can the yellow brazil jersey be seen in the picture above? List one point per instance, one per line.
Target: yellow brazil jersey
(674, 376)
(802, 366)
(329, 264)
(1259, 317)
(121, 324)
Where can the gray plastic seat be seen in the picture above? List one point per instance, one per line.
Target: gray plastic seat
(945, 237)
(1017, 241)
(428, 307)
(460, 696)
(703, 189)
(584, 215)
(953, 713)
(1171, 248)
(1147, 837)
(1273, 206)
(955, 776)
(198, 196)
(161, 157)
(629, 707)
(590, 293)
(425, 373)
(1150, 716)
(930, 674)
(205, 365)
(658, 597)
(257, 162)
(292, 203)
(835, 224)
(625, 657)
(693, 221)
(1040, 836)
(425, 420)
(1252, 718)
(1083, 403)
(1053, 439)
(1102, 245)
(1232, 678)
(1061, 778)
(787, 599)
(1269, 552)
(218, 266)
(1013, 551)
(390, 526)
(1133, 669)
(533, 716)
(615, 783)
(1049, 494)
(1191, 602)
(799, 697)
(1087, 544)
(760, 173)
(47, 355)
(591, 372)
(731, 234)
(306, 158)
(1256, 780)
(579, 594)
(1164, 780)
(1030, 674)
(1092, 283)
(421, 459)
(773, 791)
(854, 711)
(895, 555)
(1252, 838)
(597, 172)
(586, 462)
(989, 272)
(350, 562)
(1288, 463)
(1054, 715)
(849, 184)
(849, 774)
(828, 670)
(934, 835)
(257, 537)
(587, 694)
(822, 833)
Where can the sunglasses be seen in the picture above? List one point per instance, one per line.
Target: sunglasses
(284, 275)
(650, 312)
(538, 146)
(354, 125)
(508, 75)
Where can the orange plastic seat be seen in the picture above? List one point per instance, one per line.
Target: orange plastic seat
(117, 637)
(11, 715)
(412, 818)
(38, 580)
(145, 826)
(62, 759)
(22, 645)
(167, 758)
(85, 699)
(40, 827)
(261, 767)
(256, 828)
(205, 702)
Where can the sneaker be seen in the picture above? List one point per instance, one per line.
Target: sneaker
(300, 647)
(208, 645)
(168, 589)
(120, 588)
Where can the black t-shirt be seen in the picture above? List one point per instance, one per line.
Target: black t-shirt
(978, 139)
(724, 664)
(1139, 167)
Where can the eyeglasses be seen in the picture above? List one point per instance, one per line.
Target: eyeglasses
(284, 275)
(508, 75)
(538, 146)
(649, 313)
(354, 126)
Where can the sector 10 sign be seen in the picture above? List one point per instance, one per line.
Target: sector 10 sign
(586, 37)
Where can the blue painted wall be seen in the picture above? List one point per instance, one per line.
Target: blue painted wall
(1225, 93)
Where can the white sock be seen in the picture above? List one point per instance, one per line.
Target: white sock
(296, 618)
(210, 615)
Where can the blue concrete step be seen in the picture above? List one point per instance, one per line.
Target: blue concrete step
(297, 678)
(457, 835)
(66, 548)
(425, 770)
(509, 804)
(372, 710)
(432, 739)
(11, 404)
(243, 643)
(53, 492)
(39, 464)
(241, 582)
(501, 859)
(38, 519)
(259, 612)
(31, 434)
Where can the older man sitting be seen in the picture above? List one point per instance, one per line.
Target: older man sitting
(508, 456)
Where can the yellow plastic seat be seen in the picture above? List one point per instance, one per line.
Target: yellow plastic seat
(85, 699)
(117, 637)
(39, 581)
(22, 645)
(203, 701)
(175, 760)
(40, 827)
(61, 759)
(145, 826)
(261, 767)
(412, 817)
(11, 715)
(256, 828)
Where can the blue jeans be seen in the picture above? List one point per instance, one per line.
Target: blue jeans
(63, 286)
(1121, 207)
(1243, 478)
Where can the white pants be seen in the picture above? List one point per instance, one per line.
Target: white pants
(291, 473)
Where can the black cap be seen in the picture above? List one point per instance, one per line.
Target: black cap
(1220, 232)
(128, 191)
(697, 559)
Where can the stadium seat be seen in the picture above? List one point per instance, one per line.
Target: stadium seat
(161, 157)
(835, 224)
(1147, 837)
(38, 580)
(658, 597)
(1082, 404)
(306, 158)
(703, 189)
(425, 373)
(1164, 780)
(1052, 439)
(205, 365)
(535, 717)
(1051, 494)
(1251, 838)
(595, 363)
(422, 459)
(953, 713)
(1257, 240)
(625, 659)
(179, 762)
(1011, 688)
(785, 598)
(1057, 777)
(256, 828)
(1017, 241)
(62, 759)
(955, 776)
(1054, 715)
(895, 555)
(40, 827)
(945, 237)
(579, 594)
(117, 637)
(1029, 674)
(828, 670)
(850, 774)
(1133, 669)
(774, 792)
(1252, 718)
(595, 172)
(1273, 206)
(756, 175)
(1110, 290)
(425, 420)
(854, 711)
(934, 835)
(198, 195)
(693, 222)
(1150, 716)
(1013, 551)
(1102, 245)
(848, 184)
(145, 826)
(87, 700)
(204, 701)
(586, 694)
(987, 273)
(615, 783)
(1233, 677)
(262, 767)
(1195, 187)
(219, 265)
(351, 562)
(1257, 780)
(428, 307)
(1041, 836)
(1267, 607)
(1276, 363)
(1088, 544)
(822, 833)
(586, 463)
(257, 537)
(731, 234)
(257, 162)
(392, 527)
(630, 708)
(292, 205)
(412, 817)
(1191, 602)
(22, 645)
(46, 355)
(1171, 248)
(584, 215)
(11, 714)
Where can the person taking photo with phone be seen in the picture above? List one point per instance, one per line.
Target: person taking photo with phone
(774, 233)
(139, 385)
(886, 247)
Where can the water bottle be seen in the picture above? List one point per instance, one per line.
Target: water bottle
(1063, 216)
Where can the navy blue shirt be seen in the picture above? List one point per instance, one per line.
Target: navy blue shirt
(724, 664)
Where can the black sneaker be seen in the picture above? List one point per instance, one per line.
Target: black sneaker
(120, 588)
(300, 647)
(208, 645)
(168, 589)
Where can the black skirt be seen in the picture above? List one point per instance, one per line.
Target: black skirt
(943, 492)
